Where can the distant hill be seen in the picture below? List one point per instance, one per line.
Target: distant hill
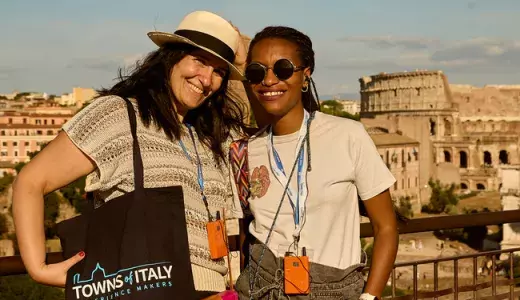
(343, 96)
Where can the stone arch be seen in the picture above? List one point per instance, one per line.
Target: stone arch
(503, 157)
(487, 158)
(447, 156)
(481, 187)
(464, 186)
(463, 159)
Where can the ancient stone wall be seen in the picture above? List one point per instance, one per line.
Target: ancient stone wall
(421, 90)
(488, 101)
(475, 129)
(510, 198)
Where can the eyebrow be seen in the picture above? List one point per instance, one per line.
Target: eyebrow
(207, 57)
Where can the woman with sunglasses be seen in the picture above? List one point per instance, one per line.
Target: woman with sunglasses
(307, 170)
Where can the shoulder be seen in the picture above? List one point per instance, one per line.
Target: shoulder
(101, 108)
(324, 123)
(103, 117)
(258, 139)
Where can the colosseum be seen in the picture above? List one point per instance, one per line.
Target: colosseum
(464, 133)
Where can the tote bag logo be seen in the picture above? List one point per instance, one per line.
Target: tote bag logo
(102, 286)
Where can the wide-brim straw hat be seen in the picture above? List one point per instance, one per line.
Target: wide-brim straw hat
(207, 31)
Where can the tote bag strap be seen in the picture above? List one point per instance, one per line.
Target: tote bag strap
(138, 208)
(137, 158)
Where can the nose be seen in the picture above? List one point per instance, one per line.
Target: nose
(270, 79)
(206, 75)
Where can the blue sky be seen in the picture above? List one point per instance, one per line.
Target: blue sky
(53, 45)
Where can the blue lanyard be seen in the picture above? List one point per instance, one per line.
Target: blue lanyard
(200, 177)
(297, 199)
(299, 180)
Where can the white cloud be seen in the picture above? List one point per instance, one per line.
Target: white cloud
(481, 54)
(386, 42)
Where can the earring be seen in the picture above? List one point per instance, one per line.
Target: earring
(306, 87)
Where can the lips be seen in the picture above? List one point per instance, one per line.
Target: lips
(270, 95)
(195, 89)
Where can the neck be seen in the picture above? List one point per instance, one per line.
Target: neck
(290, 122)
(180, 117)
(181, 113)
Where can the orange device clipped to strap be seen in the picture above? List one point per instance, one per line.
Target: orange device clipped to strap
(296, 275)
(217, 238)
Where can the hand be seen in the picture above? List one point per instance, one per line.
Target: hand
(56, 274)
(241, 54)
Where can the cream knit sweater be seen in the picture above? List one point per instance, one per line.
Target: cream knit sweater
(102, 131)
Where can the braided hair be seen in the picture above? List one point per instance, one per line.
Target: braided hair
(305, 51)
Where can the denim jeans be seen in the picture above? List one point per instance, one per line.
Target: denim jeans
(327, 283)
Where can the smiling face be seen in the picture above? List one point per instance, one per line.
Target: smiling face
(278, 97)
(194, 78)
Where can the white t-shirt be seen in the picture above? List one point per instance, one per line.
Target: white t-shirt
(345, 163)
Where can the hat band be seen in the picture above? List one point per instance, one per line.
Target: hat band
(208, 41)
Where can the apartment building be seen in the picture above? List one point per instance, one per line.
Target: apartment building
(23, 132)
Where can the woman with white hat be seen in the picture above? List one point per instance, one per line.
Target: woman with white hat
(184, 126)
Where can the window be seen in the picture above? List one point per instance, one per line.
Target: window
(487, 158)
(463, 159)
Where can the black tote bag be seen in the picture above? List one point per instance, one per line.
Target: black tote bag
(136, 245)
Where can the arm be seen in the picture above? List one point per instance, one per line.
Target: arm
(58, 164)
(382, 217)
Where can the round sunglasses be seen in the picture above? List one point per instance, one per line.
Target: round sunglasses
(283, 69)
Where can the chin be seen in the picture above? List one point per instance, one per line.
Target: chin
(275, 110)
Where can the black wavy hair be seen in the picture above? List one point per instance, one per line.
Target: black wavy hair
(149, 83)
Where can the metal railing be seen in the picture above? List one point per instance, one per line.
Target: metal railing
(457, 289)
(13, 265)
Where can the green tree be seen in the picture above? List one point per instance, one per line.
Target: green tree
(443, 198)
(22, 287)
(5, 182)
(51, 213)
(3, 224)
(405, 207)
(333, 107)
(75, 193)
